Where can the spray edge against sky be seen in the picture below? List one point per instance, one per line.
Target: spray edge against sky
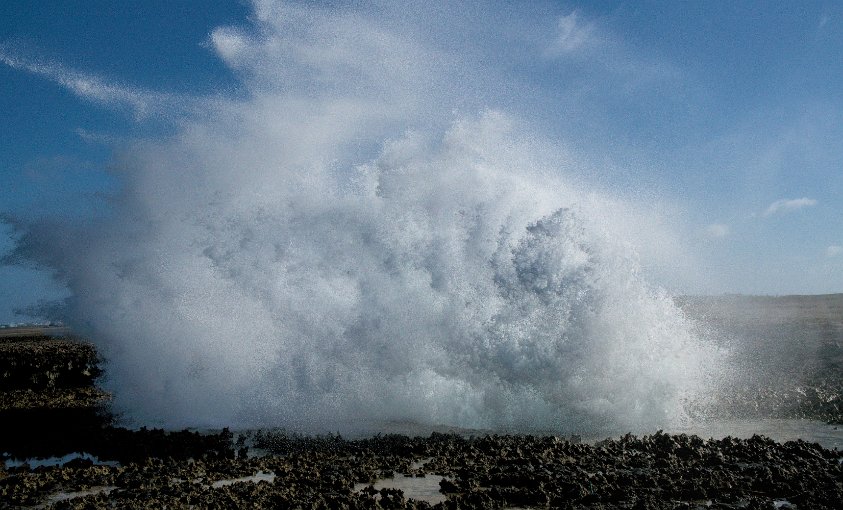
(368, 232)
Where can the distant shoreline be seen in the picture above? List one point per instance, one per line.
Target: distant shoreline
(728, 295)
(30, 330)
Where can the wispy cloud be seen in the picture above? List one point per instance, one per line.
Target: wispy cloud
(717, 230)
(572, 35)
(142, 103)
(614, 62)
(788, 205)
(823, 21)
(95, 138)
(833, 251)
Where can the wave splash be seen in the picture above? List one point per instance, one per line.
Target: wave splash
(453, 285)
(258, 269)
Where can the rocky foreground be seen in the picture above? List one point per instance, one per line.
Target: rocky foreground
(658, 471)
(49, 407)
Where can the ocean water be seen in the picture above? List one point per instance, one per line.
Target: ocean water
(360, 237)
(779, 429)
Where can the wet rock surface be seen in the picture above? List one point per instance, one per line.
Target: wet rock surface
(656, 471)
(46, 363)
(272, 469)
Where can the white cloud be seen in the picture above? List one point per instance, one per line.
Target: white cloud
(573, 34)
(833, 251)
(95, 138)
(823, 21)
(621, 66)
(229, 44)
(717, 230)
(784, 206)
(142, 103)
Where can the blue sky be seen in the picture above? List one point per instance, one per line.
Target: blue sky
(730, 112)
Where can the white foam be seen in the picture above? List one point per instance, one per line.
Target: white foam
(34, 462)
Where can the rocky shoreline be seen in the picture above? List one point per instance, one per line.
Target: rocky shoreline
(50, 407)
(656, 471)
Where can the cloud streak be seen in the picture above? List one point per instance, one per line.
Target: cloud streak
(788, 205)
(142, 103)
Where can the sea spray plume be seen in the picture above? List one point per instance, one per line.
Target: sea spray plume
(439, 287)
(305, 258)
